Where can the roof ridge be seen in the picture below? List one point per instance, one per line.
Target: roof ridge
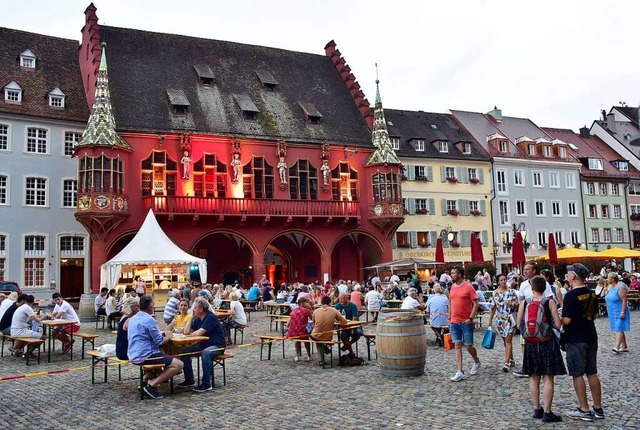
(40, 34)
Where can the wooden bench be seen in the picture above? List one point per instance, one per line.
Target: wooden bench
(219, 361)
(5, 337)
(371, 340)
(275, 317)
(86, 338)
(319, 344)
(269, 340)
(283, 324)
(240, 329)
(96, 358)
(247, 312)
(33, 344)
(147, 368)
(100, 317)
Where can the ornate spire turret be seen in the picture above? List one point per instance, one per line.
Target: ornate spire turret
(383, 153)
(101, 127)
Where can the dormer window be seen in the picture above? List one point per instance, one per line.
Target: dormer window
(179, 101)
(418, 145)
(311, 113)
(56, 98)
(28, 60)
(503, 146)
(562, 152)
(12, 93)
(395, 143)
(595, 164)
(247, 106)
(531, 149)
(443, 146)
(267, 79)
(623, 166)
(205, 74)
(466, 148)
(547, 151)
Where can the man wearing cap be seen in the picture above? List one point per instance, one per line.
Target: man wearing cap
(578, 315)
(350, 312)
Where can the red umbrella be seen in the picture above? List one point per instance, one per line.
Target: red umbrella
(517, 251)
(476, 249)
(553, 252)
(439, 251)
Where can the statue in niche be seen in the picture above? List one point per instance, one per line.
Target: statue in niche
(186, 165)
(236, 164)
(282, 170)
(326, 172)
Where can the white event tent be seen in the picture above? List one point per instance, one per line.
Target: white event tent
(150, 247)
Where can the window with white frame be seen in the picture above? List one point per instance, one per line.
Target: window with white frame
(505, 237)
(419, 145)
(69, 188)
(4, 137)
(572, 208)
(450, 172)
(28, 60)
(395, 143)
(558, 235)
(504, 146)
(37, 140)
(540, 208)
(452, 205)
(542, 237)
(537, 179)
(422, 206)
(420, 171)
(501, 181)
(466, 148)
(570, 179)
(606, 235)
(591, 188)
(556, 208)
(36, 192)
(71, 245)
(604, 210)
(531, 149)
(595, 164)
(518, 178)
(618, 235)
(593, 211)
(503, 206)
(547, 151)
(474, 206)
(472, 173)
(617, 211)
(595, 235)
(562, 152)
(443, 146)
(575, 237)
(12, 93)
(634, 188)
(71, 139)
(623, 166)
(521, 207)
(4, 190)
(35, 253)
(634, 209)
(615, 189)
(602, 188)
(56, 98)
(554, 180)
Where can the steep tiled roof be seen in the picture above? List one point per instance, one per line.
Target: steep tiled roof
(430, 127)
(629, 112)
(480, 126)
(56, 67)
(143, 66)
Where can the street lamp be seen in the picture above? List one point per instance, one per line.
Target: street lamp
(496, 248)
(595, 246)
(520, 228)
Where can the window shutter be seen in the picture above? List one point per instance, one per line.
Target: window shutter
(413, 239)
(464, 174)
(411, 203)
(393, 241)
(411, 172)
(465, 237)
(483, 207)
(431, 203)
(481, 174)
(433, 238)
(429, 173)
(463, 207)
(444, 206)
(586, 188)
(443, 174)
(485, 238)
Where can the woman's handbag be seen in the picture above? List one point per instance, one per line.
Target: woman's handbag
(489, 339)
(448, 343)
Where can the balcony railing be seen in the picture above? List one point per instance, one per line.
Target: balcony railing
(179, 205)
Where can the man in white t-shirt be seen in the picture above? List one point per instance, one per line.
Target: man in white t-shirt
(64, 311)
(411, 301)
(100, 302)
(373, 300)
(445, 279)
(21, 323)
(394, 278)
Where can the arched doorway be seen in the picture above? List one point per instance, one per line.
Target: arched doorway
(229, 257)
(352, 253)
(293, 256)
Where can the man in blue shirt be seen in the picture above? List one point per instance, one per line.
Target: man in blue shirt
(254, 293)
(203, 323)
(350, 312)
(145, 339)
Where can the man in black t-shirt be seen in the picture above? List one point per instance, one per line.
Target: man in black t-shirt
(578, 315)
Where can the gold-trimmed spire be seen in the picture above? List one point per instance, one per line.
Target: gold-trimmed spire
(383, 153)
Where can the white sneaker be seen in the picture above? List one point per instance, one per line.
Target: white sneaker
(475, 368)
(296, 358)
(459, 376)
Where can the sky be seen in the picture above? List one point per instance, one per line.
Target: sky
(558, 63)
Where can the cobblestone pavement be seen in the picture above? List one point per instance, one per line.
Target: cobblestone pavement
(283, 394)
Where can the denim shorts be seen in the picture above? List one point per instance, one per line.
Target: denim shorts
(461, 333)
(582, 358)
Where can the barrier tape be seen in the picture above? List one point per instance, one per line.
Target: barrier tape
(231, 347)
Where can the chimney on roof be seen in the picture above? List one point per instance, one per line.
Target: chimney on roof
(611, 122)
(584, 132)
(496, 114)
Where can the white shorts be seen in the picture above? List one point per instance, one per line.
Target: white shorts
(25, 332)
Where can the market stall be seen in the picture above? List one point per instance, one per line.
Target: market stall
(155, 258)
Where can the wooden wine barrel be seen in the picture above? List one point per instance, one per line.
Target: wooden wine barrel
(401, 343)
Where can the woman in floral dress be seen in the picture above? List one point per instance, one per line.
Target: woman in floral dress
(504, 309)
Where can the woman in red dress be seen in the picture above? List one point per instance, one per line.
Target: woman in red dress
(298, 326)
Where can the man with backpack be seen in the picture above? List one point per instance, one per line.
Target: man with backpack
(578, 315)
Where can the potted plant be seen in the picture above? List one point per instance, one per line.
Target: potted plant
(452, 180)
(453, 212)
(544, 246)
(422, 178)
(475, 212)
(507, 245)
(474, 180)
(562, 245)
(526, 246)
(422, 211)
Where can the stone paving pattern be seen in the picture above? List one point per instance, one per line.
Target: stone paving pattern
(283, 394)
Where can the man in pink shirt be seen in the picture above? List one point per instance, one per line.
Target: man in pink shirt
(462, 309)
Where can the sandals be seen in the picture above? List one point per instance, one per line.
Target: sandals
(505, 368)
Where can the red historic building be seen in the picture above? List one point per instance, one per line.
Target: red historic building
(260, 160)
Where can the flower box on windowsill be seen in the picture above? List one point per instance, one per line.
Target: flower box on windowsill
(635, 217)
(561, 245)
(544, 246)
(425, 245)
(404, 245)
(422, 212)
(475, 213)
(422, 178)
(453, 212)
(474, 180)
(452, 180)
